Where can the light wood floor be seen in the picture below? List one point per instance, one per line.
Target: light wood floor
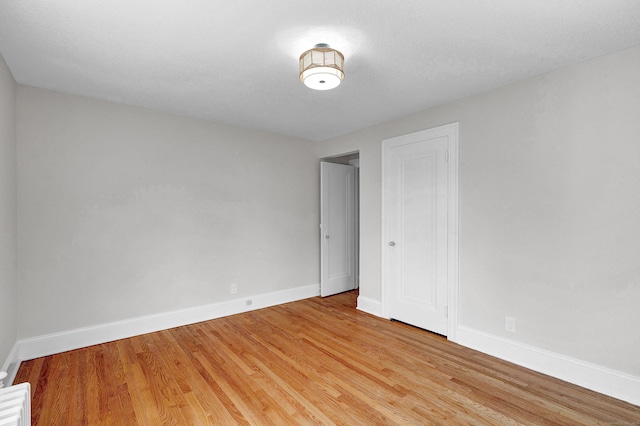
(316, 361)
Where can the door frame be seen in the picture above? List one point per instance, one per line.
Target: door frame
(450, 131)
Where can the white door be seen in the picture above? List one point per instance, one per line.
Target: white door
(337, 228)
(416, 200)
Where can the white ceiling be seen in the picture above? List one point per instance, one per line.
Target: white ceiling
(236, 62)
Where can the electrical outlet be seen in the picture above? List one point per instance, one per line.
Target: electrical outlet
(249, 302)
(234, 288)
(510, 324)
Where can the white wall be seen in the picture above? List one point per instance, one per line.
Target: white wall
(549, 208)
(8, 224)
(125, 212)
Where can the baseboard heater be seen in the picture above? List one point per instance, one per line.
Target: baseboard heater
(15, 405)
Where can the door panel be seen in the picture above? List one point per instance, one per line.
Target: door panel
(337, 228)
(416, 231)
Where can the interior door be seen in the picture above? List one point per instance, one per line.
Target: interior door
(337, 228)
(415, 255)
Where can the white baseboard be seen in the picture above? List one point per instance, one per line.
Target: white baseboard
(600, 379)
(11, 365)
(49, 344)
(369, 306)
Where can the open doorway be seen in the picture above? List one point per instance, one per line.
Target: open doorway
(340, 224)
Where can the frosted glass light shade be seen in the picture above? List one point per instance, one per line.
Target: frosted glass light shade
(321, 68)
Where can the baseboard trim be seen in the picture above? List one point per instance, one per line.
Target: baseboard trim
(591, 376)
(50, 344)
(369, 306)
(11, 365)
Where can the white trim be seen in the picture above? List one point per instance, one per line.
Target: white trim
(450, 130)
(591, 376)
(11, 365)
(452, 240)
(369, 306)
(49, 344)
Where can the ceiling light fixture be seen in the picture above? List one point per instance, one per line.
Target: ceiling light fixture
(321, 68)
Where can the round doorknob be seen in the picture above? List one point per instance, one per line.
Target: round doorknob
(392, 243)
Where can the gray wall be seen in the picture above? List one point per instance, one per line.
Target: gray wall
(124, 212)
(549, 208)
(8, 224)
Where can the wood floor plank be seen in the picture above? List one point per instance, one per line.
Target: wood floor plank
(53, 373)
(38, 388)
(78, 375)
(316, 361)
(201, 392)
(141, 399)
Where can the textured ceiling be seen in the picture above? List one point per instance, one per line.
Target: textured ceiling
(236, 62)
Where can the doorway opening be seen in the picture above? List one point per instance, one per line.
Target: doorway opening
(340, 224)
